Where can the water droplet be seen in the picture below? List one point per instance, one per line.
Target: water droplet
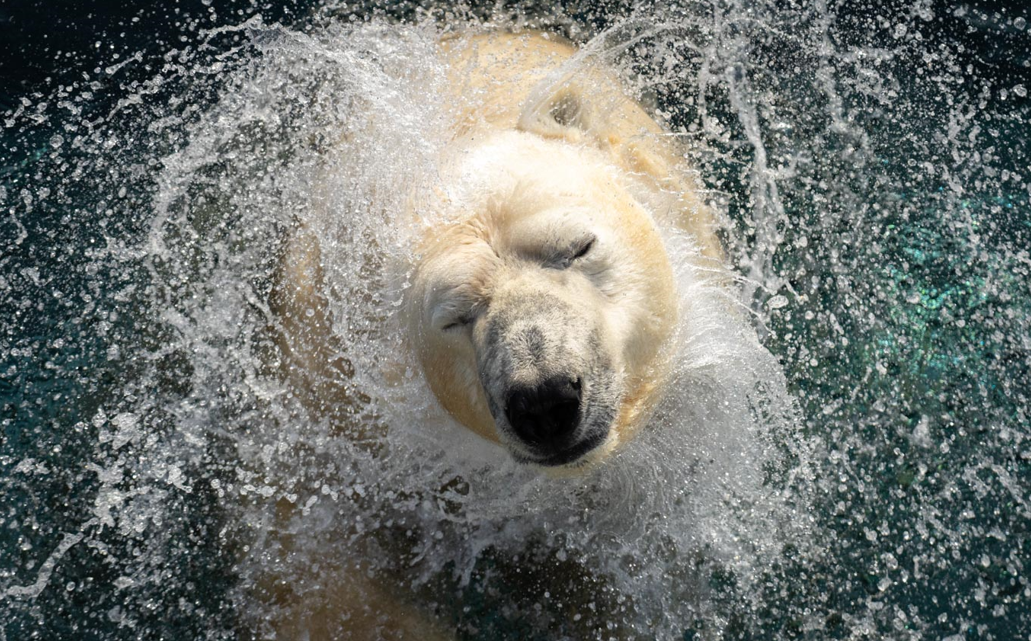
(777, 302)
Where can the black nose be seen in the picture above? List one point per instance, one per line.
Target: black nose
(546, 415)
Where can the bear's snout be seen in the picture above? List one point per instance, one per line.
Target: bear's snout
(547, 372)
(545, 416)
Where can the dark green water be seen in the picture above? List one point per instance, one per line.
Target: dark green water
(873, 166)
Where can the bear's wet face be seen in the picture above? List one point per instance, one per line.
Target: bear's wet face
(539, 312)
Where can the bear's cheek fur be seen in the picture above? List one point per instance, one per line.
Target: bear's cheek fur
(641, 304)
(643, 313)
(449, 363)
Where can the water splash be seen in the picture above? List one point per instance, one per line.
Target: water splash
(872, 183)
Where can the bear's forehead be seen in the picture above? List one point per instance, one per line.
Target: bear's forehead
(515, 167)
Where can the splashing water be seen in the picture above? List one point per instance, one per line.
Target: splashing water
(863, 472)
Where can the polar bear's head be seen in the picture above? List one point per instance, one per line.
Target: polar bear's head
(542, 300)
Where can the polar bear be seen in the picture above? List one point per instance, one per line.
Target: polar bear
(542, 298)
(539, 310)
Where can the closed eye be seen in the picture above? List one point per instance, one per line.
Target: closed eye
(580, 249)
(586, 246)
(458, 323)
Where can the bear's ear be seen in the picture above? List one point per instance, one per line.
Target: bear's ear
(594, 110)
(561, 112)
(603, 117)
